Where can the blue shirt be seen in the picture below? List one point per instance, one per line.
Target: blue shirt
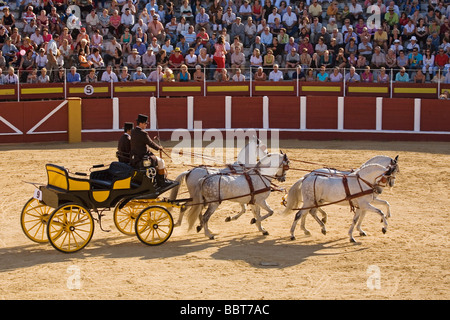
(73, 77)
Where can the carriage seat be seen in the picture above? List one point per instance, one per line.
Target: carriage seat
(117, 176)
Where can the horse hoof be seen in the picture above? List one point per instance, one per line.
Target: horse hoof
(253, 221)
(324, 220)
(199, 228)
(292, 238)
(384, 230)
(228, 219)
(307, 233)
(362, 234)
(265, 233)
(324, 232)
(211, 238)
(352, 240)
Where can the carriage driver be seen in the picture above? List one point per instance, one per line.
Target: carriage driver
(124, 145)
(140, 144)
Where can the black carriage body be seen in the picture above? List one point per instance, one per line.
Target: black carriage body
(103, 189)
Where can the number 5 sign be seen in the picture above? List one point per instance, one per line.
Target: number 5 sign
(88, 90)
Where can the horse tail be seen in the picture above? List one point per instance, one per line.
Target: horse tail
(196, 209)
(294, 197)
(179, 179)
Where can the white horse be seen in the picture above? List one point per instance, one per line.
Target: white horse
(247, 158)
(323, 189)
(291, 199)
(250, 187)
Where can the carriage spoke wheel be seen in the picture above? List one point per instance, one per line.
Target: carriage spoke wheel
(154, 225)
(34, 218)
(70, 228)
(125, 218)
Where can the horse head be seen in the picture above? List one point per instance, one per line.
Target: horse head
(275, 165)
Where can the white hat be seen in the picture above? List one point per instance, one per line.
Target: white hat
(414, 38)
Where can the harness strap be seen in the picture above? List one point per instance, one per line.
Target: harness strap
(348, 196)
(250, 185)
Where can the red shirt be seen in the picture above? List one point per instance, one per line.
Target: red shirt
(173, 59)
(441, 60)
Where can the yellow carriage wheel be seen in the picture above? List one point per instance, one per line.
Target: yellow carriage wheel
(33, 220)
(70, 228)
(154, 225)
(125, 218)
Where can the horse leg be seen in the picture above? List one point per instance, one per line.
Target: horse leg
(355, 220)
(302, 225)
(205, 218)
(243, 209)
(313, 212)
(256, 212)
(180, 217)
(324, 215)
(370, 207)
(266, 207)
(358, 225)
(299, 215)
(386, 204)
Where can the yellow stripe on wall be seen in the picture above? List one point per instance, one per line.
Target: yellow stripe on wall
(41, 90)
(7, 92)
(415, 90)
(274, 88)
(134, 88)
(227, 88)
(368, 89)
(182, 89)
(319, 88)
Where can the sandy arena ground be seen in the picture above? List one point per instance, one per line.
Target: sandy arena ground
(410, 261)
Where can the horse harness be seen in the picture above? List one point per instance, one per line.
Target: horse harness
(348, 195)
(249, 180)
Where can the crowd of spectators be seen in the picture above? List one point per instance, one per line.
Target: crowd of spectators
(224, 40)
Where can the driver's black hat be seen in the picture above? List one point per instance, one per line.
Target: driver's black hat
(128, 126)
(142, 118)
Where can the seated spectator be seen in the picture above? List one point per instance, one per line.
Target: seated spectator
(148, 59)
(140, 47)
(139, 76)
(32, 76)
(109, 75)
(367, 75)
(383, 77)
(43, 77)
(125, 41)
(156, 29)
(419, 77)
(96, 59)
(124, 76)
(183, 75)
(275, 74)
(176, 59)
(73, 76)
(222, 75)
(168, 75)
(134, 60)
(237, 60)
(59, 76)
(298, 74)
(292, 59)
(198, 75)
(402, 76)
(156, 75)
(322, 76)
(91, 77)
(260, 75)
(238, 76)
(352, 76)
(336, 76)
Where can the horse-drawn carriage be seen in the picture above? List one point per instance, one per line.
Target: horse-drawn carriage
(61, 212)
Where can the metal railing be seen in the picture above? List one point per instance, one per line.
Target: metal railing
(211, 77)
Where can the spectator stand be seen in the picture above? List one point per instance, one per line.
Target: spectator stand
(325, 25)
